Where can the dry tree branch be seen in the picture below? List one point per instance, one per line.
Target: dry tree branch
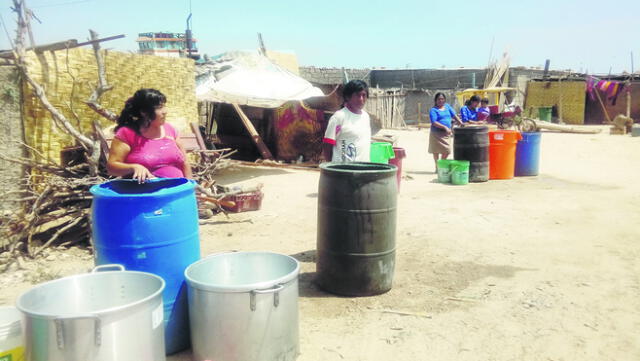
(34, 152)
(58, 233)
(91, 146)
(85, 141)
(59, 171)
(74, 82)
(102, 87)
(24, 26)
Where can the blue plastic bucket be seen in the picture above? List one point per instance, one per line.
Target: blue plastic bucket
(528, 155)
(151, 227)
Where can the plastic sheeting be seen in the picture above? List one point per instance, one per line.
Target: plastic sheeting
(250, 79)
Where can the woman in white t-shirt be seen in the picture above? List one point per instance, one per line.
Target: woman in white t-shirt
(348, 134)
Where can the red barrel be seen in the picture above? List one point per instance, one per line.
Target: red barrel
(397, 161)
(502, 153)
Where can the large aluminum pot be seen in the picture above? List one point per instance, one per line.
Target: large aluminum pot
(99, 316)
(244, 307)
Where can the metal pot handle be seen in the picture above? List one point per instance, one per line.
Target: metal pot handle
(105, 267)
(59, 321)
(276, 295)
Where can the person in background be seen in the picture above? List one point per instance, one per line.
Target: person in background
(468, 113)
(442, 116)
(484, 112)
(144, 145)
(348, 134)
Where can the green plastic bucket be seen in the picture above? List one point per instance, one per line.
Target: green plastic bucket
(459, 172)
(544, 113)
(444, 170)
(381, 152)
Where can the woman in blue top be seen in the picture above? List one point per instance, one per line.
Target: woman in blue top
(468, 113)
(441, 116)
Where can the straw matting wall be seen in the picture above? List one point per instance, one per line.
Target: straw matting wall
(548, 94)
(70, 76)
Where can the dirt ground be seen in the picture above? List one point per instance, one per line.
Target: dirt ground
(534, 268)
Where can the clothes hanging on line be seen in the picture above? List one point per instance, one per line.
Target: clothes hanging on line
(610, 88)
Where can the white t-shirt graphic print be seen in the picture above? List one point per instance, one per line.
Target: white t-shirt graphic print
(350, 135)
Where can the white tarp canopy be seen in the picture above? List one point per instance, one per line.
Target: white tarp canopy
(246, 78)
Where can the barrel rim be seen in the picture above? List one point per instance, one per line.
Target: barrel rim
(504, 131)
(240, 288)
(526, 136)
(382, 167)
(103, 312)
(101, 190)
(471, 129)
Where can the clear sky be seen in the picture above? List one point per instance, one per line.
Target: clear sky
(588, 35)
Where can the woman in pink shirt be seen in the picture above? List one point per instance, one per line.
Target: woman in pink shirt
(144, 145)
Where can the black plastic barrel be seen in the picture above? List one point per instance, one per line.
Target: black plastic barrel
(472, 144)
(356, 228)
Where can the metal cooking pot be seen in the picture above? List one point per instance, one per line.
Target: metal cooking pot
(99, 316)
(244, 307)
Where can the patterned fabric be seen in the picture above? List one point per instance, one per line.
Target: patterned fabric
(299, 132)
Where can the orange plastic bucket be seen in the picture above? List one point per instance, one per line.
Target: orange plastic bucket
(502, 153)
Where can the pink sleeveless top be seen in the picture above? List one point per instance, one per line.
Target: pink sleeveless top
(161, 157)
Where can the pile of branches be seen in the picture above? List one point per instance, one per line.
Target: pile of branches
(54, 211)
(208, 163)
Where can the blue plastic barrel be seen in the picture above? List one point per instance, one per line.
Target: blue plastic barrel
(528, 154)
(151, 227)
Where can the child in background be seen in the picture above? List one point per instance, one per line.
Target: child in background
(483, 111)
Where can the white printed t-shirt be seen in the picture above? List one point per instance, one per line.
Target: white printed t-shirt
(350, 135)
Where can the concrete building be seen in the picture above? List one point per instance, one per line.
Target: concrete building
(166, 44)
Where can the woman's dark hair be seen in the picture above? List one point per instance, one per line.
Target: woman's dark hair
(435, 99)
(140, 109)
(485, 100)
(354, 86)
(474, 98)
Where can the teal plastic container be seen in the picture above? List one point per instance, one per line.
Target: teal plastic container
(381, 152)
(444, 170)
(459, 172)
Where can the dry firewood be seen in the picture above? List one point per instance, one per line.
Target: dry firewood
(59, 171)
(57, 234)
(228, 204)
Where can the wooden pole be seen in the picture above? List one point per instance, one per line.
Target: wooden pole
(628, 90)
(606, 114)
(264, 151)
(560, 120)
(419, 115)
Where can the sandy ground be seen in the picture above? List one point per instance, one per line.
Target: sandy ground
(534, 268)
